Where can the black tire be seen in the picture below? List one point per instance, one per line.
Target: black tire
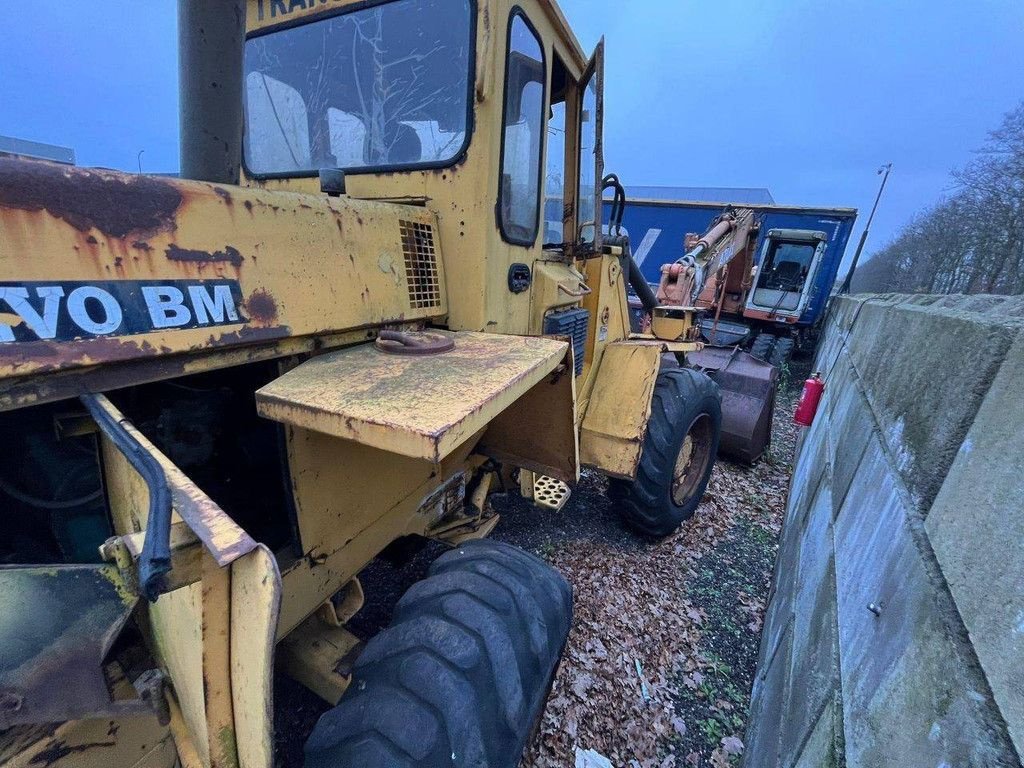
(781, 352)
(461, 675)
(686, 404)
(762, 347)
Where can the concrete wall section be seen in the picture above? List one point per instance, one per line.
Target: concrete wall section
(895, 629)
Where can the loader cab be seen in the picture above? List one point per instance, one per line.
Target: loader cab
(486, 112)
(787, 265)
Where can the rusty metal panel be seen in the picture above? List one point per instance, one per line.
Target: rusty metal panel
(129, 497)
(346, 518)
(137, 741)
(98, 266)
(538, 431)
(57, 623)
(416, 406)
(612, 434)
(219, 710)
(255, 609)
(190, 626)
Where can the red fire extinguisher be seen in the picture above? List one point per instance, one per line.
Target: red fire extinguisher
(814, 388)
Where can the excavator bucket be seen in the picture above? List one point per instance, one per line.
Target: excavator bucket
(748, 399)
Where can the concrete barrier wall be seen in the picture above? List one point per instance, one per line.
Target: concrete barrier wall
(907, 496)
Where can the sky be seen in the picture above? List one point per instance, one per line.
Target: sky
(805, 97)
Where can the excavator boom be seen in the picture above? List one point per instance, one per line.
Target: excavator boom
(715, 274)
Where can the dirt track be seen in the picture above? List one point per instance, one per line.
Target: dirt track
(660, 660)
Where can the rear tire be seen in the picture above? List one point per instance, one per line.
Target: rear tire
(678, 454)
(763, 346)
(461, 675)
(781, 352)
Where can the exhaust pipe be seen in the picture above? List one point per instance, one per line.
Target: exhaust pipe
(211, 36)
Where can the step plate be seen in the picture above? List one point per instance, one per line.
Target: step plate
(550, 493)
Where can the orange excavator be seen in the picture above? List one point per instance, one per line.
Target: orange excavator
(714, 277)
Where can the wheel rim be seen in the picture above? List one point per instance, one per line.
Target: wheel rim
(692, 460)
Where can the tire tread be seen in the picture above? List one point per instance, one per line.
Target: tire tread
(679, 395)
(460, 676)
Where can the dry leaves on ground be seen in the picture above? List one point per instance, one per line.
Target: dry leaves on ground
(636, 635)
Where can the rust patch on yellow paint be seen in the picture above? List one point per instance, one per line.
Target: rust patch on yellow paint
(47, 356)
(261, 306)
(251, 335)
(116, 204)
(60, 749)
(229, 255)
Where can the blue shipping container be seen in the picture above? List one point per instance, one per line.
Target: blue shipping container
(658, 228)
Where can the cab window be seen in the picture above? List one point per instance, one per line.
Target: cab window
(522, 134)
(556, 192)
(787, 266)
(554, 177)
(587, 194)
(381, 86)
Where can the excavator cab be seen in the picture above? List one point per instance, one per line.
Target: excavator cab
(787, 266)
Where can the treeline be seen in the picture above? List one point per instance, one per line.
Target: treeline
(970, 242)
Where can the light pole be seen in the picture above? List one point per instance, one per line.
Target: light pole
(886, 170)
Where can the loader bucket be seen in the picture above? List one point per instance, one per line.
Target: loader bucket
(748, 399)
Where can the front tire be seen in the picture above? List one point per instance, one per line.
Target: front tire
(762, 347)
(461, 675)
(781, 352)
(678, 454)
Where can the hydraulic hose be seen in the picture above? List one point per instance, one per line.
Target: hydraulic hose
(611, 181)
(635, 277)
(155, 561)
(640, 286)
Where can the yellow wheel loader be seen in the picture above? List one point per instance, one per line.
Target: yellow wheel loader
(343, 328)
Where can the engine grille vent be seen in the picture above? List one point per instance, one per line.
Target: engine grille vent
(573, 323)
(420, 264)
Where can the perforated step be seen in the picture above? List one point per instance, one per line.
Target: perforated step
(550, 493)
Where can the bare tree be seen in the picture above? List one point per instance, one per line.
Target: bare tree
(971, 241)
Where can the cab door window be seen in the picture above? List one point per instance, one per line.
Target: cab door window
(522, 134)
(559, 178)
(588, 165)
(588, 193)
(554, 177)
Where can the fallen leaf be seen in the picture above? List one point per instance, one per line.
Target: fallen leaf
(732, 745)
(581, 685)
(679, 726)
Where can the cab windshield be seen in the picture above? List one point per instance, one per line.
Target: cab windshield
(787, 266)
(381, 87)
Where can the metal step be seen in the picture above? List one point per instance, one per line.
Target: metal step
(550, 493)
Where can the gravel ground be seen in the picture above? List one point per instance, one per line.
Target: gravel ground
(660, 660)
